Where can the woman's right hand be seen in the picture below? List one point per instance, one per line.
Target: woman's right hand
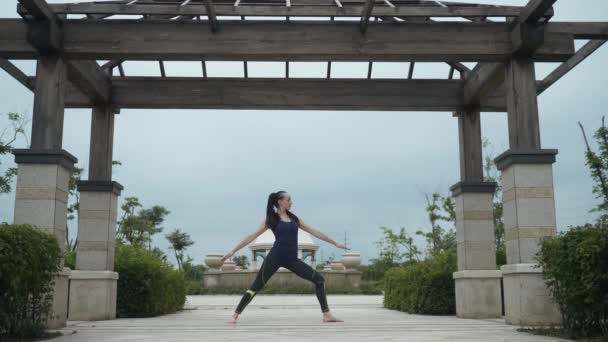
(228, 255)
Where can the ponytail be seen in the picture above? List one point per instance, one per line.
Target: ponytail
(272, 216)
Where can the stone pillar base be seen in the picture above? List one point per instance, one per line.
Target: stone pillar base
(478, 294)
(92, 295)
(528, 301)
(59, 314)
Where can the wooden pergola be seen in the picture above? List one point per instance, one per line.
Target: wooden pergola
(68, 40)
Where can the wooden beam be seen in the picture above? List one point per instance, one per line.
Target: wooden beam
(282, 93)
(365, 14)
(534, 10)
(566, 67)
(527, 37)
(212, 18)
(38, 9)
(353, 10)
(49, 103)
(15, 72)
(297, 41)
(92, 81)
(522, 105)
(44, 32)
(85, 74)
(482, 80)
(470, 146)
(580, 30)
(102, 141)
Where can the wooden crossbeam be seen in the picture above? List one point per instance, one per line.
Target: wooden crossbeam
(535, 10)
(92, 81)
(526, 36)
(282, 93)
(566, 67)
(211, 14)
(353, 10)
(294, 41)
(580, 30)
(15, 72)
(365, 14)
(86, 74)
(482, 80)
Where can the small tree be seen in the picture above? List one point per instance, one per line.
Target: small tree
(598, 165)
(8, 136)
(440, 239)
(491, 175)
(179, 242)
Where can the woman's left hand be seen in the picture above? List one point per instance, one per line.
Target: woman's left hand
(339, 245)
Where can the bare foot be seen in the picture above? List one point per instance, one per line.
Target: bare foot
(328, 317)
(235, 316)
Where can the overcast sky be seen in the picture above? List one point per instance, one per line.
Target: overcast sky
(348, 172)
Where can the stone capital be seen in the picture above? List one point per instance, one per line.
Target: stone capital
(99, 186)
(45, 156)
(474, 187)
(525, 156)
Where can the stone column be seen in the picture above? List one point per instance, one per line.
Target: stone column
(254, 264)
(313, 262)
(477, 280)
(528, 202)
(93, 283)
(44, 170)
(529, 217)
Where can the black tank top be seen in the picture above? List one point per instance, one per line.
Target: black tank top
(286, 240)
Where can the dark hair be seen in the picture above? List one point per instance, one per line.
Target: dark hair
(272, 217)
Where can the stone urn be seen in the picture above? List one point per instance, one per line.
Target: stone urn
(337, 266)
(351, 260)
(214, 261)
(228, 266)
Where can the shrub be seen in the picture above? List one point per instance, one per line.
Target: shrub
(29, 259)
(575, 266)
(426, 287)
(147, 285)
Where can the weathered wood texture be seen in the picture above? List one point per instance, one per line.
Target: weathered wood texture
(49, 96)
(91, 80)
(293, 11)
(522, 105)
(580, 30)
(295, 41)
(281, 93)
(534, 10)
(566, 67)
(102, 141)
(469, 135)
(482, 80)
(15, 72)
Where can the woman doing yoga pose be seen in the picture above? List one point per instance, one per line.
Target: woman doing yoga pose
(284, 252)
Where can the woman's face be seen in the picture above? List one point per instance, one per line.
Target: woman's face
(285, 201)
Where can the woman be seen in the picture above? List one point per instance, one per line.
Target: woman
(284, 252)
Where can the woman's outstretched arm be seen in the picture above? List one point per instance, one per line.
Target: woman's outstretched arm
(247, 240)
(319, 234)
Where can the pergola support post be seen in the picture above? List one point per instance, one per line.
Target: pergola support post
(477, 280)
(528, 202)
(93, 283)
(44, 171)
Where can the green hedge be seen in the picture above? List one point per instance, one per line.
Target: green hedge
(426, 287)
(147, 286)
(575, 266)
(29, 259)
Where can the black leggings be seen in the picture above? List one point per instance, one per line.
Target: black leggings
(270, 265)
